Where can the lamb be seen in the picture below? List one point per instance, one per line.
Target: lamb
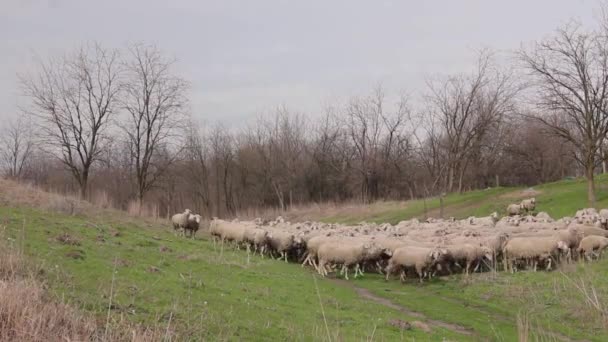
(192, 225)
(591, 244)
(532, 249)
(346, 255)
(180, 221)
(514, 209)
(529, 204)
(420, 258)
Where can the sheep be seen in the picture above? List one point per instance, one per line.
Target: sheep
(484, 221)
(588, 230)
(528, 204)
(496, 244)
(193, 224)
(180, 221)
(257, 239)
(531, 249)
(420, 258)
(346, 255)
(469, 254)
(544, 217)
(591, 244)
(514, 209)
(281, 242)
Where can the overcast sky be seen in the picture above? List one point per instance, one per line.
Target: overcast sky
(245, 57)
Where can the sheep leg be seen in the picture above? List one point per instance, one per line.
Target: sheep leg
(379, 267)
(306, 260)
(388, 271)
(477, 267)
(534, 263)
(345, 272)
(358, 270)
(285, 255)
(361, 269)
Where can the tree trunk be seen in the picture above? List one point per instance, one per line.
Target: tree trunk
(84, 181)
(450, 184)
(590, 184)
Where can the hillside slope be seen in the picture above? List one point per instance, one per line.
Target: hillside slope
(125, 268)
(559, 199)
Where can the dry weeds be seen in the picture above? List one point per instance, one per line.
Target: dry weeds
(29, 313)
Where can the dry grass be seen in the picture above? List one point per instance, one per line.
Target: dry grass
(18, 194)
(29, 313)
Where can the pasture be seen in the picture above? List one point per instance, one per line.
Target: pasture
(117, 268)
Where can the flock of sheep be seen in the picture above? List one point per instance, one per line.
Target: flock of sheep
(421, 249)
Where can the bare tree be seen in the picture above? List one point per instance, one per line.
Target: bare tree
(74, 99)
(465, 108)
(570, 72)
(154, 100)
(373, 131)
(16, 147)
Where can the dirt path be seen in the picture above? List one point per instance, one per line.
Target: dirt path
(457, 328)
(367, 294)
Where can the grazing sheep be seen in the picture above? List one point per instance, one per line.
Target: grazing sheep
(592, 244)
(180, 221)
(529, 204)
(419, 258)
(531, 249)
(514, 209)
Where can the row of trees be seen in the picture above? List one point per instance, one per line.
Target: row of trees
(118, 123)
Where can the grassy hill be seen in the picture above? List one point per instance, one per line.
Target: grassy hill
(559, 199)
(119, 268)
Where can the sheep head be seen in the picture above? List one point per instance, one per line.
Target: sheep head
(487, 253)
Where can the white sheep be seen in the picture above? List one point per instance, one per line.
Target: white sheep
(484, 221)
(257, 239)
(419, 258)
(347, 255)
(514, 209)
(529, 204)
(592, 244)
(180, 221)
(281, 242)
(532, 249)
(467, 254)
(543, 216)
